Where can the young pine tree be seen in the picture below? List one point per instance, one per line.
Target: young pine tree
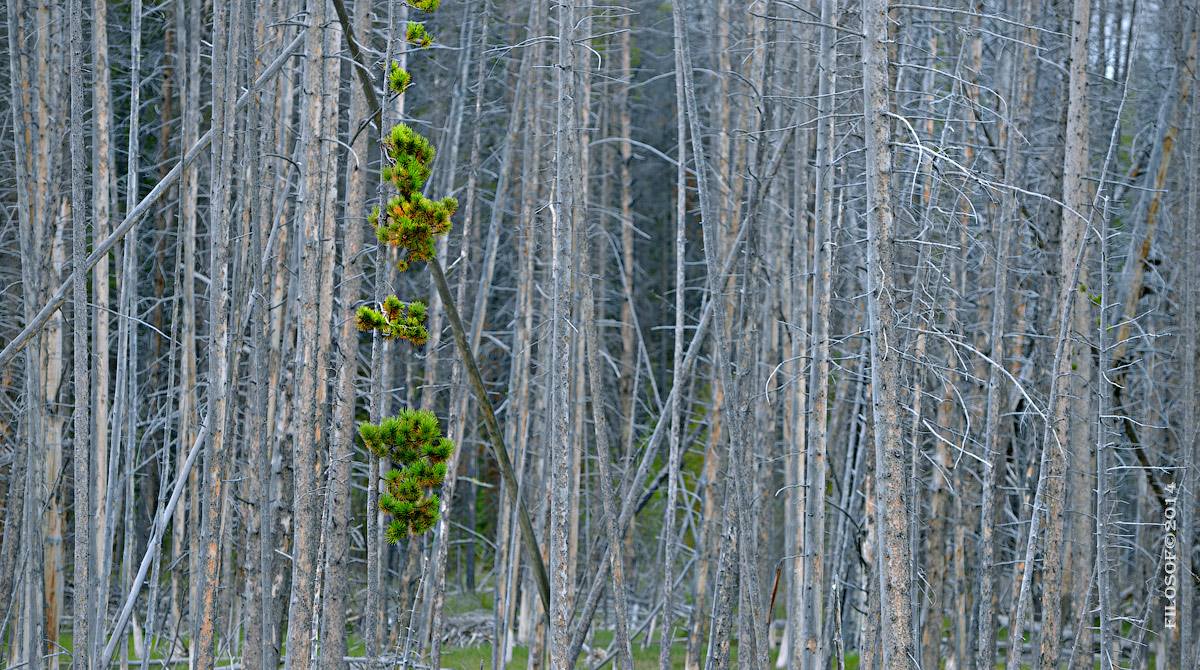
(412, 222)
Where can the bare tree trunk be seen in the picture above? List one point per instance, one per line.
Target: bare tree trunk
(1069, 415)
(83, 367)
(226, 45)
(562, 271)
(14, 515)
(258, 641)
(603, 456)
(667, 635)
(894, 553)
(813, 578)
(737, 509)
(102, 190)
(128, 309)
(517, 429)
(338, 494)
(1191, 455)
(185, 544)
(1110, 654)
(310, 371)
(435, 620)
(40, 109)
(1014, 161)
(625, 181)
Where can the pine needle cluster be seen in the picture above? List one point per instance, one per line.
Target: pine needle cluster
(417, 36)
(413, 440)
(395, 320)
(411, 221)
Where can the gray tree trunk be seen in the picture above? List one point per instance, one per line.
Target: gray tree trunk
(897, 646)
(83, 366)
(562, 275)
(226, 45)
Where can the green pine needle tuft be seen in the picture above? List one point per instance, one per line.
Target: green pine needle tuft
(413, 440)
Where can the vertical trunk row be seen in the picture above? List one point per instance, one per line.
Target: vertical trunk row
(312, 331)
(462, 415)
(1007, 232)
(339, 516)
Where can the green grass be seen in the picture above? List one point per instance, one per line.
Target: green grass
(67, 642)
(644, 657)
(457, 603)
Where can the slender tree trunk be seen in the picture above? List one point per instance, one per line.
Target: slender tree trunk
(258, 639)
(102, 189)
(894, 558)
(813, 577)
(1069, 415)
(603, 456)
(226, 43)
(562, 271)
(1014, 161)
(306, 497)
(83, 367)
(667, 635)
(184, 544)
(461, 419)
(339, 519)
(1191, 455)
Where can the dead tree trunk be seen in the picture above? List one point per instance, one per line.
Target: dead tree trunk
(894, 554)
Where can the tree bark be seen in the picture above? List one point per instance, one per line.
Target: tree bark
(226, 46)
(894, 554)
(1071, 416)
(562, 275)
(312, 348)
(83, 367)
(338, 494)
(813, 577)
(102, 191)
(667, 635)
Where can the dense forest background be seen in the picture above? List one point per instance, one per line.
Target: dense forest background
(805, 333)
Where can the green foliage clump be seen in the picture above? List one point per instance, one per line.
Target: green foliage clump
(417, 36)
(413, 441)
(425, 5)
(398, 79)
(395, 319)
(412, 222)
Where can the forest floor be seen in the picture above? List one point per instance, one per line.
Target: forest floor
(475, 657)
(645, 657)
